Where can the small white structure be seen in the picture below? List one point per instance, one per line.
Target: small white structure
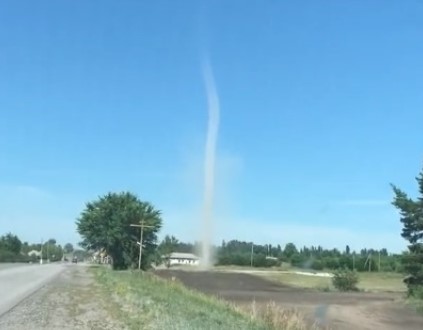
(34, 253)
(271, 258)
(178, 258)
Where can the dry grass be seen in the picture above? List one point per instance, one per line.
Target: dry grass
(275, 317)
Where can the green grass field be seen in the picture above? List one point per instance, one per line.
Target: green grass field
(372, 282)
(146, 302)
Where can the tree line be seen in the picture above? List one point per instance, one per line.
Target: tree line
(314, 257)
(12, 249)
(241, 253)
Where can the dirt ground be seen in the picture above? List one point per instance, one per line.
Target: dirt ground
(335, 310)
(72, 301)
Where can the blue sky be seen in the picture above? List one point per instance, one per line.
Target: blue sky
(321, 108)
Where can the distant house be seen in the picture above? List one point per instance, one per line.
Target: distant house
(34, 253)
(178, 258)
(271, 258)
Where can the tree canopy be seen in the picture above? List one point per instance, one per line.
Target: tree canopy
(411, 212)
(11, 243)
(68, 248)
(104, 224)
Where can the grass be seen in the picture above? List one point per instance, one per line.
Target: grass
(416, 304)
(381, 282)
(148, 302)
(369, 282)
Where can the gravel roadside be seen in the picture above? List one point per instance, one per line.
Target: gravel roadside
(73, 301)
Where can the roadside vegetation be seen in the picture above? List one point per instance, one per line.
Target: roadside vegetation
(148, 302)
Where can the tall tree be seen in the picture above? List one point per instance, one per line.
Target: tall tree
(68, 248)
(290, 250)
(347, 250)
(411, 212)
(11, 243)
(105, 224)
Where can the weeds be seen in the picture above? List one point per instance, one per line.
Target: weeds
(274, 317)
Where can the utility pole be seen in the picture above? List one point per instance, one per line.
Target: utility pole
(141, 226)
(379, 262)
(41, 253)
(369, 259)
(252, 251)
(354, 261)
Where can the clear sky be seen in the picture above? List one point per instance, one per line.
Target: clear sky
(321, 108)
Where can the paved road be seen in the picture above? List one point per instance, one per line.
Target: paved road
(17, 283)
(4, 265)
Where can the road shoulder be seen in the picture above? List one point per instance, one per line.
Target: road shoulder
(72, 301)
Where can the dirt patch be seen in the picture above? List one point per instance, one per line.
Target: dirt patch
(72, 301)
(357, 310)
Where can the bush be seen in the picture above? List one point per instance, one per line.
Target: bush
(345, 280)
(298, 260)
(317, 265)
(8, 256)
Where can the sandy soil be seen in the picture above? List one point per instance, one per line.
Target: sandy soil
(72, 301)
(333, 309)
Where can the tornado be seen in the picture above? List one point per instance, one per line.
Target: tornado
(209, 165)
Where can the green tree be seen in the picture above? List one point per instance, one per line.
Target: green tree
(68, 248)
(290, 250)
(105, 224)
(347, 250)
(411, 212)
(51, 251)
(52, 241)
(10, 243)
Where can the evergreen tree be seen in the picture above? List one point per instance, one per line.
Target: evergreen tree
(411, 212)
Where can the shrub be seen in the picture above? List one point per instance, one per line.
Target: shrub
(298, 260)
(317, 265)
(345, 280)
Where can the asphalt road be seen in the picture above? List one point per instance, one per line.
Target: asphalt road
(4, 265)
(20, 281)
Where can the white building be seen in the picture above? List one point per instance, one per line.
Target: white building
(178, 258)
(34, 253)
